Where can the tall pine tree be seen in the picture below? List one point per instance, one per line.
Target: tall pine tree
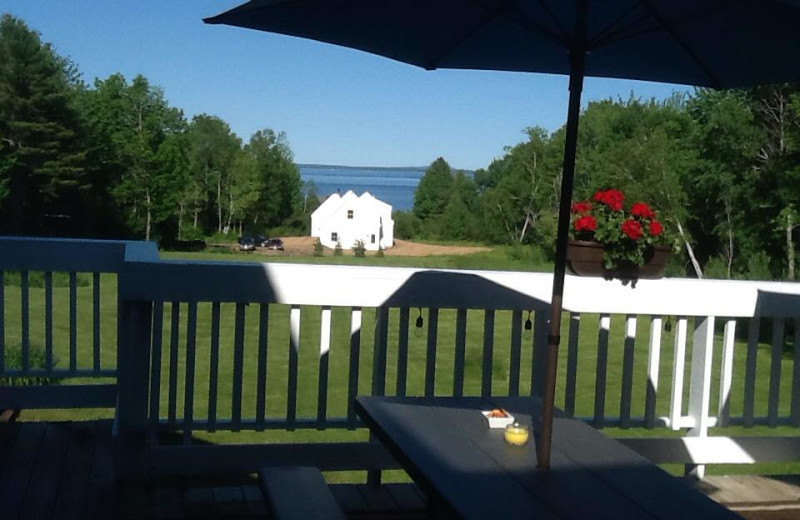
(41, 157)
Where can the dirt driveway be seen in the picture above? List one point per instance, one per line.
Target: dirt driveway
(299, 246)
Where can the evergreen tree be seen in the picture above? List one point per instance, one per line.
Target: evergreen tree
(41, 156)
(433, 190)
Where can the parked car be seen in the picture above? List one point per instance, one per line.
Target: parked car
(276, 244)
(261, 241)
(247, 244)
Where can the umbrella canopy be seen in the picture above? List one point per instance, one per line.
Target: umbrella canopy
(712, 43)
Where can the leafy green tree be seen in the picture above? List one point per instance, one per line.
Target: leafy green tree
(520, 189)
(433, 191)
(726, 140)
(460, 220)
(279, 198)
(213, 151)
(406, 224)
(143, 135)
(41, 155)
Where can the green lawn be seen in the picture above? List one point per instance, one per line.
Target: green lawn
(339, 360)
(499, 258)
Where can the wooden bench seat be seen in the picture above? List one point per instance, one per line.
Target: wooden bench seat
(298, 493)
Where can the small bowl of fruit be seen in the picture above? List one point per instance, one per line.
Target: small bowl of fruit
(498, 418)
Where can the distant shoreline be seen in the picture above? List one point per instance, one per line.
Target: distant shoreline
(420, 169)
(341, 167)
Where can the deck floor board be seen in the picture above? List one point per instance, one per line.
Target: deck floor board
(65, 471)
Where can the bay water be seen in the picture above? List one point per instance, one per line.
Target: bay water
(394, 186)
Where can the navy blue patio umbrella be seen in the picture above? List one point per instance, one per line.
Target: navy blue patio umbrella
(710, 43)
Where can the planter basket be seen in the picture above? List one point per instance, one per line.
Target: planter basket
(585, 258)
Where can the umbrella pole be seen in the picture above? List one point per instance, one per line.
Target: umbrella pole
(544, 441)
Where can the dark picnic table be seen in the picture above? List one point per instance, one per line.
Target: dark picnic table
(445, 445)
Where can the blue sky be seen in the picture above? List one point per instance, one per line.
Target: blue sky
(336, 105)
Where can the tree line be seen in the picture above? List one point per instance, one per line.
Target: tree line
(114, 159)
(722, 167)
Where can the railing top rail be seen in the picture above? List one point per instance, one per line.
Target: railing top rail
(65, 254)
(358, 286)
(347, 286)
(684, 297)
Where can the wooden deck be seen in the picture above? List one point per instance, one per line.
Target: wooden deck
(65, 471)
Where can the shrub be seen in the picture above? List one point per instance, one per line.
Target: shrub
(36, 360)
(358, 249)
(337, 251)
(318, 250)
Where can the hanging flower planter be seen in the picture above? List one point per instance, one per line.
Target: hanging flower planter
(612, 242)
(585, 258)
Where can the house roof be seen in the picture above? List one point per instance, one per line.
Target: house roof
(336, 202)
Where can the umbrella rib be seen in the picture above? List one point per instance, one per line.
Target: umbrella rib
(492, 14)
(617, 26)
(621, 35)
(682, 44)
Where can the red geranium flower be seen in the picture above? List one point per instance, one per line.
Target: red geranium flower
(642, 210)
(611, 198)
(585, 223)
(581, 208)
(655, 228)
(632, 229)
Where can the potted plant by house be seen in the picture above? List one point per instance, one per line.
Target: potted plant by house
(612, 241)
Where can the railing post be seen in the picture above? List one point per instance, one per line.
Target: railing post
(700, 384)
(379, 371)
(133, 363)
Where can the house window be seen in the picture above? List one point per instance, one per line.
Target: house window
(350, 214)
(372, 239)
(334, 237)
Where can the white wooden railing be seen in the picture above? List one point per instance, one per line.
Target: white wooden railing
(230, 347)
(51, 329)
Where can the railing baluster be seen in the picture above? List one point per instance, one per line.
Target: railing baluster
(48, 321)
(96, 321)
(627, 372)
(238, 368)
(261, 384)
(540, 329)
(402, 353)
(678, 367)
(155, 369)
(488, 348)
(430, 356)
(460, 352)
(26, 323)
(294, 351)
(188, 399)
(726, 373)
(2, 321)
(379, 356)
(653, 365)
(515, 354)
(379, 372)
(700, 375)
(795, 374)
(601, 371)
(750, 371)
(572, 363)
(213, 372)
(775, 372)
(174, 333)
(73, 321)
(324, 356)
(353, 373)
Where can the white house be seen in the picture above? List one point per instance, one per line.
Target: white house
(347, 218)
